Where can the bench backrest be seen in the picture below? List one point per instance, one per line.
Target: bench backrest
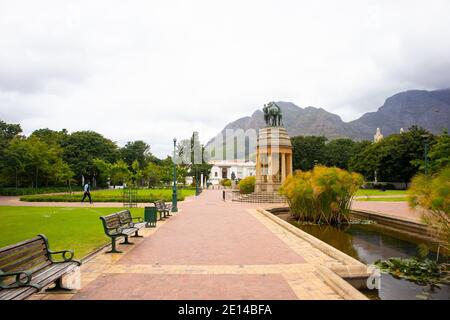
(29, 255)
(111, 222)
(158, 204)
(125, 217)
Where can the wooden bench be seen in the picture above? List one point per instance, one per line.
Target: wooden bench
(163, 209)
(28, 266)
(120, 224)
(128, 221)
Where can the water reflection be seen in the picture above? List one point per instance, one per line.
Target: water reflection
(368, 243)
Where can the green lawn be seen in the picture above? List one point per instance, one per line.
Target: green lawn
(386, 199)
(376, 192)
(112, 195)
(79, 229)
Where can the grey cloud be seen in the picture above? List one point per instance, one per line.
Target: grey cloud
(154, 70)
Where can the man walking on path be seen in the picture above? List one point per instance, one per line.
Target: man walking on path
(87, 192)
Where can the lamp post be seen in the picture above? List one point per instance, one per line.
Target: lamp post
(196, 183)
(174, 189)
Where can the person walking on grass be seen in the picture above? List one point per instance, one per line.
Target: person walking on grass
(87, 192)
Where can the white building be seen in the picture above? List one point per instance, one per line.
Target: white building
(223, 169)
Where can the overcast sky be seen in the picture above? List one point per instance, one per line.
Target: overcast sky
(154, 70)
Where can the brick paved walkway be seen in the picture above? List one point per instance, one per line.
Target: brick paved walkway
(397, 209)
(209, 250)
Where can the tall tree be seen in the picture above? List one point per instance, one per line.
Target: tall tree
(16, 158)
(82, 147)
(7, 133)
(102, 171)
(307, 151)
(33, 162)
(338, 152)
(152, 174)
(136, 151)
(440, 153)
(395, 158)
(50, 136)
(120, 173)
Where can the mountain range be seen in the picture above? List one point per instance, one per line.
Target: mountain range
(428, 109)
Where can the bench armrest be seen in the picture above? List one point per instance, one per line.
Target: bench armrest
(63, 252)
(20, 280)
(66, 259)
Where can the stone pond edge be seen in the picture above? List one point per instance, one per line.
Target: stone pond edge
(334, 276)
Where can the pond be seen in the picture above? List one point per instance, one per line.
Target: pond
(370, 242)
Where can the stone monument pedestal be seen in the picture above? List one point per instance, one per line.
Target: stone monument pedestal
(273, 159)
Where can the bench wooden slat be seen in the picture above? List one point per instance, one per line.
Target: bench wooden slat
(19, 250)
(12, 294)
(44, 278)
(32, 256)
(140, 225)
(43, 275)
(36, 278)
(20, 244)
(125, 217)
(51, 278)
(36, 264)
(23, 259)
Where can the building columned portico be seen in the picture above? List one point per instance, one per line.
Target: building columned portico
(224, 169)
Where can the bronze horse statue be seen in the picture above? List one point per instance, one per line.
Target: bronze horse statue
(272, 114)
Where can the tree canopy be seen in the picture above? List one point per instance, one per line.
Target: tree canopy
(136, 151)
(49, 157)
(309, 151)
(82, 147)
(396, 158)
(440, 153)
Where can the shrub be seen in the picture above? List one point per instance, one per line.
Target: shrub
(247, 185)
(143, 196)
(433, 194)
(322, 195)
(225, 182)
(11, 191)
(97, 198)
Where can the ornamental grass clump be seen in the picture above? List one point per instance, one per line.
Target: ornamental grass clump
(322, 195)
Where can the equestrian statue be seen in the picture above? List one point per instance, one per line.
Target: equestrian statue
(272, 115)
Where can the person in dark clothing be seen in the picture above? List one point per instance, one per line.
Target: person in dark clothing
(223, 195)
(87, 192)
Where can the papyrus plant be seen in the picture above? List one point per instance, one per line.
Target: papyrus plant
(322, 195)
(433, 194)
